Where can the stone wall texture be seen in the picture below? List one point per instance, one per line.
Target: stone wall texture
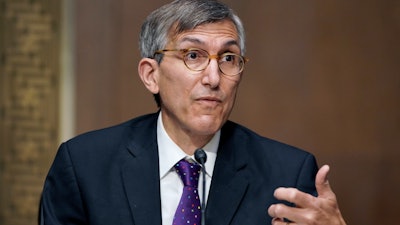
(29, 92)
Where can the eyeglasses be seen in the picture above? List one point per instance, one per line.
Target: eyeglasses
(195, 59)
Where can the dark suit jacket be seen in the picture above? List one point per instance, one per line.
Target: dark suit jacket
(111, 177)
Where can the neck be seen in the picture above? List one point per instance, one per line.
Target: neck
(189, 144)
(187, 139)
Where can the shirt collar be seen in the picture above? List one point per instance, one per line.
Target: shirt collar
(170, 153)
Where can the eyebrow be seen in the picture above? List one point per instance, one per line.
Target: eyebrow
(198, 41)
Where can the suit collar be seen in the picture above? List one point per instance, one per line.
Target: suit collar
(230, 182)
(140, 172)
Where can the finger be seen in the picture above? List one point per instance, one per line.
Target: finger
(293, 195)
(280, 211)
(322, 184)
(279, 221)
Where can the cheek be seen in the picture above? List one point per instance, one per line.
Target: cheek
(231, 91)
(176, 88)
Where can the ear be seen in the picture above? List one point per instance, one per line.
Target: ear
(148, 72)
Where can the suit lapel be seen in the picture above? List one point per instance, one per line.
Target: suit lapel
(229, 182)
(140, 174)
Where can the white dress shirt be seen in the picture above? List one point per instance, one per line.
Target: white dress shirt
(171, 185)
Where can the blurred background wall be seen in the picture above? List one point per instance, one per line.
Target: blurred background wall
(29, 103)
(323, 76)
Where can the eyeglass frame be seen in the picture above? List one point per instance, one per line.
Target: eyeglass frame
(217, 57)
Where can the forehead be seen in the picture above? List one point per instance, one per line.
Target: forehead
(223, 31)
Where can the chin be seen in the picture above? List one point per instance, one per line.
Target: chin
(207, 127)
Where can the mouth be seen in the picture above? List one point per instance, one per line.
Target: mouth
(209, 100)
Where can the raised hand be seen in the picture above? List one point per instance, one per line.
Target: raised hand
(309, 210)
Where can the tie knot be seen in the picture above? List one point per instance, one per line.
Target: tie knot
(188, 172)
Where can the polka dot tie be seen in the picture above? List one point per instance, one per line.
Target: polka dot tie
(188, 211)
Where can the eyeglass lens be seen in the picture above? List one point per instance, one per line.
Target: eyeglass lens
(197, 60)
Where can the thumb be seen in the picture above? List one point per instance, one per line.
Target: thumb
(322, 184)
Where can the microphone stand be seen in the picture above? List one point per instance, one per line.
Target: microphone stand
(201, 157)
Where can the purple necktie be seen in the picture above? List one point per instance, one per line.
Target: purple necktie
(188, 211)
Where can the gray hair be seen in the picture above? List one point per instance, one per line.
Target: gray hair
(183, 15)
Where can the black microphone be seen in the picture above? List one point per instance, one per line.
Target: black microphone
(201, 157)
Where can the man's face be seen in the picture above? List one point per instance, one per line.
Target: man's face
(197, 103)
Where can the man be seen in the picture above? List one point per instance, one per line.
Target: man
(131, 173)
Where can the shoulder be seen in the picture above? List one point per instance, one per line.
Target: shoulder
(260, 146)
(116, 131)
(98, 151)
(275, 162)
(112, 137)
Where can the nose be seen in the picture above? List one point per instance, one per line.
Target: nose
(212, 74)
